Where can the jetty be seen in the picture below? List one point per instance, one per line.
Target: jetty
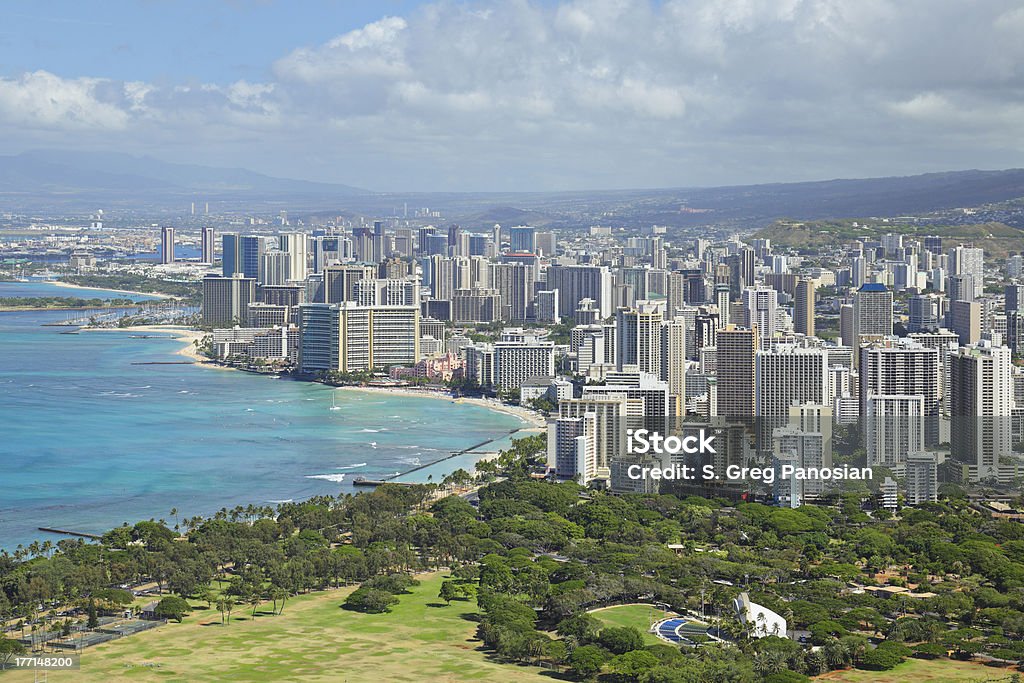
(66, 532)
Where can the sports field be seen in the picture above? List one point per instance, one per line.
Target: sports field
(314, 639)
(924, 671)
(639, 617)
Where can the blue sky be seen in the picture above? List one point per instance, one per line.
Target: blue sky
(456, 95)
(165, 41)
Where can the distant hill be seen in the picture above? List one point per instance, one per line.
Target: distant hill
(997, 239)
(64, 175)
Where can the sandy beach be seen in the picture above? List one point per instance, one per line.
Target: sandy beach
(180, 333)
(153, 295)
(535, 420)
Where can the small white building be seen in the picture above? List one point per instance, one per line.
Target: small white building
(761, 621)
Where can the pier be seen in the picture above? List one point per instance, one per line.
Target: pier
(454, 454)
(66, 532)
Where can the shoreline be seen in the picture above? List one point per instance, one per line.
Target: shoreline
(61, 283)
(180, 333)
(532, 419)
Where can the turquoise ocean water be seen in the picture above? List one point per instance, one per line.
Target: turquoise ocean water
(88, 440)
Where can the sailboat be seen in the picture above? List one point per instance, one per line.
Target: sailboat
(334, 403)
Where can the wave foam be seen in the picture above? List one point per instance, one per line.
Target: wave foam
(337, 478)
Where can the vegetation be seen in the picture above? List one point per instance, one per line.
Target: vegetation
(541, 557)
(37, 302)
(191, 292)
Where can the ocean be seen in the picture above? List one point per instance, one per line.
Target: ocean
(90, 439)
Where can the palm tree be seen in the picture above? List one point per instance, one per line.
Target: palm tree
(174, 513)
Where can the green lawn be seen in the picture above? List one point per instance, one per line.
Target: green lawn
(924, 671)
(638, 616)
(313, 640)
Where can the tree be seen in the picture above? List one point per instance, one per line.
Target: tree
(9, 648)
(93, 620)
(172, 607)
(621, 639)
(449, 591)
(370, 601)
(586, 661)
(633, 665)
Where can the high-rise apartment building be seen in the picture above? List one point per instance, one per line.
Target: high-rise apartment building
(894, 427)
(294, 245)
(969, 261)
(803, 307)
(981, 403)
(904, 368)
(226, 299)
(575, 283)
(735, 362)
(872, 312)
(166, 245)
(208, 244)
(760, 306)
(347, 337)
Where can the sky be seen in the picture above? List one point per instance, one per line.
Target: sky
(521, 95)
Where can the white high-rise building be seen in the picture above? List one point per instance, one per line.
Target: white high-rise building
(903, 368)
(969, 261)
(638, 337)
(294, 244)
(785, 376)
(575, 283)
(872, 312)
(921, 482)
(894, 427)
(516, 362)
(572, 447)
(760, 306)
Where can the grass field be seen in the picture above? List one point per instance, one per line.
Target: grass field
(313, 640)
(924, 671)
(638, 616)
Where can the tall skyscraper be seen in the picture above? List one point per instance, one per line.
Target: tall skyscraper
(922, 478)
(760, 306)
(785, 376)
(735, 360)
(981, 401)
(969, 261)
(803, 307)
(872, 312)
(273, 267)
(294, 244)
(575, 283)
(894, 427)
(965, 320)
(514, 281)
(1014, 298)
(523, 239)
(209, 238)
(903, 368)
(231, 256)
(251, 249)
(166, 245)
(638, 337)
(226, 299)
(340, 281)
(925, 313)
(350, 338)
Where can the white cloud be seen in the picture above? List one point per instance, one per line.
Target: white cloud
(604, 92)
(42, 100)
